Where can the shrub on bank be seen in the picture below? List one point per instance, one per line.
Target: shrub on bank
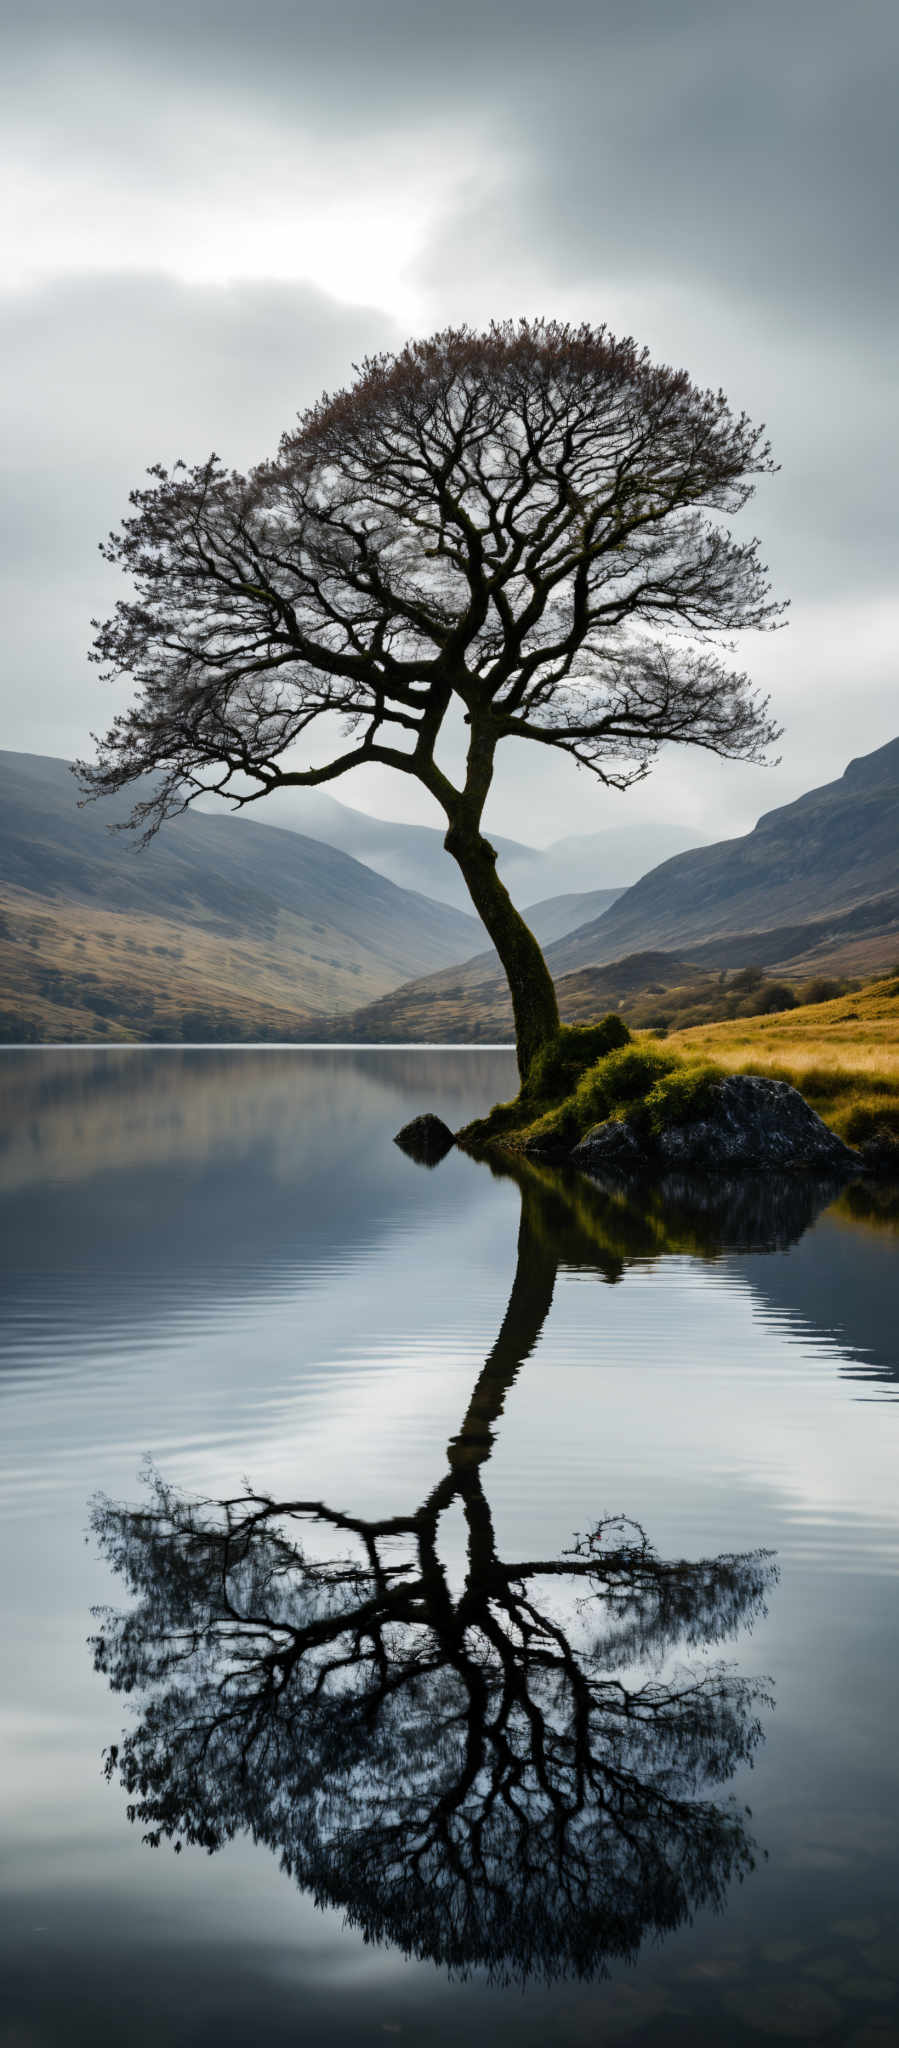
(642, 1081)
(681, 1095)
(555, 1069)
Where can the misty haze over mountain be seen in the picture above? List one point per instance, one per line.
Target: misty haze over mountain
(414, 856)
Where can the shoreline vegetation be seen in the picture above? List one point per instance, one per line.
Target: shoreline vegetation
(842, 1056)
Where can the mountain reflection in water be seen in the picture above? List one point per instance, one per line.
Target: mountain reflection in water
(511, 1772)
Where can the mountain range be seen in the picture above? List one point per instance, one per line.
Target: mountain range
(248, 927)
(814, 885)
(225, 925)
(833, 848)
(267, 926)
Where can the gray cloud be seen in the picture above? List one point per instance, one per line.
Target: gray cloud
(715, 178)
(756, 144)
(762, 155)
(104, 376)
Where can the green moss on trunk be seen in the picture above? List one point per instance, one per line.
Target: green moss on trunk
(531, 985)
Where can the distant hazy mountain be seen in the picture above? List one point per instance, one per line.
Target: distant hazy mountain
(608, 860)
(833, 848)
(560, 914)
(411, 856)
(414, 856)
(219, 911)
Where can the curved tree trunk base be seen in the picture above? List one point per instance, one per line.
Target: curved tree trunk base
(534, 1006)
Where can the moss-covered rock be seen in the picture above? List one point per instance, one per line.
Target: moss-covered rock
(728, 1122)
(638, 1104)
(652, 1088)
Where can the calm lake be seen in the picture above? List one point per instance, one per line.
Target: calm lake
(475, 1548)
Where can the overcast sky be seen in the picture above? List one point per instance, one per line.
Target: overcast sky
(213, 209)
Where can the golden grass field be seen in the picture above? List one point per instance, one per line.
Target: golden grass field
(843, 1056)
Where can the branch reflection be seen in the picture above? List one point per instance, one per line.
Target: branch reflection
(511, 1772)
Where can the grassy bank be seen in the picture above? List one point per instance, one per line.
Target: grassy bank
(843, 1056)
(588, 1074)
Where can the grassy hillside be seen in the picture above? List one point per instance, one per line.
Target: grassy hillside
(73, 973)
(833, 849)
(471, 1004)
(851, 941)
(652, 989)
(842, 1055)
(220, 927)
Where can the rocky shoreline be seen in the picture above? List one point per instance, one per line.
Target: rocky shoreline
(745, 1124)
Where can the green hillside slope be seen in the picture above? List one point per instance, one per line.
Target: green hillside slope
(833, 848)
(217, 914)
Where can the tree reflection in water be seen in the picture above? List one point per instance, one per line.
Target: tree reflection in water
(510, 1774)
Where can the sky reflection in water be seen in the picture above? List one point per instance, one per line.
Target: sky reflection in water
(525, 1764)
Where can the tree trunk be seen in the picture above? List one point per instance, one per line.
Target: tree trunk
(534, 1005)
(536, 1270)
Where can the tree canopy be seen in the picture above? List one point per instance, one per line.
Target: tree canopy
(531, 524)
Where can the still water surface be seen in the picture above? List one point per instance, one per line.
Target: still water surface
(504, 1542)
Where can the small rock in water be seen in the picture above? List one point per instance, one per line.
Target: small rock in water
(427, 1140)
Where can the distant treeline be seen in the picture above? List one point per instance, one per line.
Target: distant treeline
(715, 998)
(116, 1012)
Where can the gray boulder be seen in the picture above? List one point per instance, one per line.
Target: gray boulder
(747, 1123)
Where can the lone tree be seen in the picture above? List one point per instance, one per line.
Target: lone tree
(529, 523)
